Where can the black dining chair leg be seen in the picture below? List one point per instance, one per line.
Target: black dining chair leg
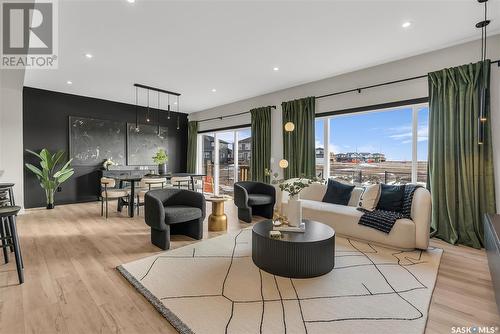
(17, 249)
(16, 235)
(106, 207)
(138, 205)
(8, 233)
(102, 206)
(4, 239)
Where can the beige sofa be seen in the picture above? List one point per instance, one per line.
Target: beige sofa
(406, 234)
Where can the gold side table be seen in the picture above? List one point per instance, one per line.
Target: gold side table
(217, 221)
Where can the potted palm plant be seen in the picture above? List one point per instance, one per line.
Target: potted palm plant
(49, 178)
(161, 159)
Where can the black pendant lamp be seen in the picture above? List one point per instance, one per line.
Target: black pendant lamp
(178, 127)
(168, 106)
(158, 119)
(147, 112)
(482, 119)
(136, 111)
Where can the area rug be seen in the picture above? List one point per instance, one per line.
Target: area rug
(213, 286)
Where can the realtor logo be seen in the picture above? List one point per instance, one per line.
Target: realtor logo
(29, 35)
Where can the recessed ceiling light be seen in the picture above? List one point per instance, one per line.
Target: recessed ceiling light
(214, 90)
(89, 55)
(130, 1)
(276, 68)
(69, 82)
(406, 24)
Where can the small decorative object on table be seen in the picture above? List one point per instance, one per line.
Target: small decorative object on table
(161, 159)
(108, 163)
(275, 234)
(294, 206)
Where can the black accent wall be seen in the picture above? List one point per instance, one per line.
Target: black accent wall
(45, 125)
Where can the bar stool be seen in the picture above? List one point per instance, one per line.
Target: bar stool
(9, 237)
(7, 198)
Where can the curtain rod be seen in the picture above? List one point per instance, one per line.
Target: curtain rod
(385, 84)
(344, 92)
(226, 116)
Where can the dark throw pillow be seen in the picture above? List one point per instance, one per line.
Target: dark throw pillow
(391, 198)
(337, 193)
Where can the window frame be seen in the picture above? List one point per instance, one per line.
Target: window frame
(216, 145)
(416, 107)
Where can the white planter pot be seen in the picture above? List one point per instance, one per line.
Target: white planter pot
(294, 212)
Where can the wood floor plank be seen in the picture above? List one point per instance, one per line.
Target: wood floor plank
(72, 285)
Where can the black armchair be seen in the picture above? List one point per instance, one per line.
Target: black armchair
(173, 211)
(254, 198)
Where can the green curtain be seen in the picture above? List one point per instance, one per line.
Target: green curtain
(460, 169)
(298, 145)
(191, 149)
(261, 143)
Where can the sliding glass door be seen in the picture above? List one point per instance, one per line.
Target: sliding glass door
(207, 159)
(226, 177)
(225, 158)
(244, 138)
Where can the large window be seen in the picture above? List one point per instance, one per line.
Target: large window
(383, 146)
(233, 161)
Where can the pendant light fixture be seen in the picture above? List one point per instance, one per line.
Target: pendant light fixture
(178, 127)
(483, 84)
(147, 114)
(150, 113)
(136, 111)
(158, 105)
(168, 107)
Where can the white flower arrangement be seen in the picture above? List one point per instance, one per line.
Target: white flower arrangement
(108, 163)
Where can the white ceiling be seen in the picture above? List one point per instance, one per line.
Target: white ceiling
(193, 47)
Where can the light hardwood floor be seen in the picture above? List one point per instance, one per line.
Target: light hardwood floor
(72, 286)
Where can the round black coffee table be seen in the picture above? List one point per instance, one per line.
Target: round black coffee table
(296, 254)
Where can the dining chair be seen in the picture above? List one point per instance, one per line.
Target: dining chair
(181, 182)
(109, 192)
(146, 184)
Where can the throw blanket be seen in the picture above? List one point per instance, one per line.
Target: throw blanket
(384, 220)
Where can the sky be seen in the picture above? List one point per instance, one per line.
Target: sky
(388, 132)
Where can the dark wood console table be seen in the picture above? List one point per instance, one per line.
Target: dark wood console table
(492, 245)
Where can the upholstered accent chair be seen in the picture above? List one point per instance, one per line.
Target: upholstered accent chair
(173, 211)
(254, 198)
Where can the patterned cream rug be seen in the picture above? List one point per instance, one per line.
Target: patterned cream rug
(213, 287)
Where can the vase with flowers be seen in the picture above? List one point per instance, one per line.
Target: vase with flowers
(293, 188)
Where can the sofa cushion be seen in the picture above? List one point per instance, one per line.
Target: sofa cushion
(369, 198)
(181, 213)
(337, 193)
(391, 197)
(259, 199)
